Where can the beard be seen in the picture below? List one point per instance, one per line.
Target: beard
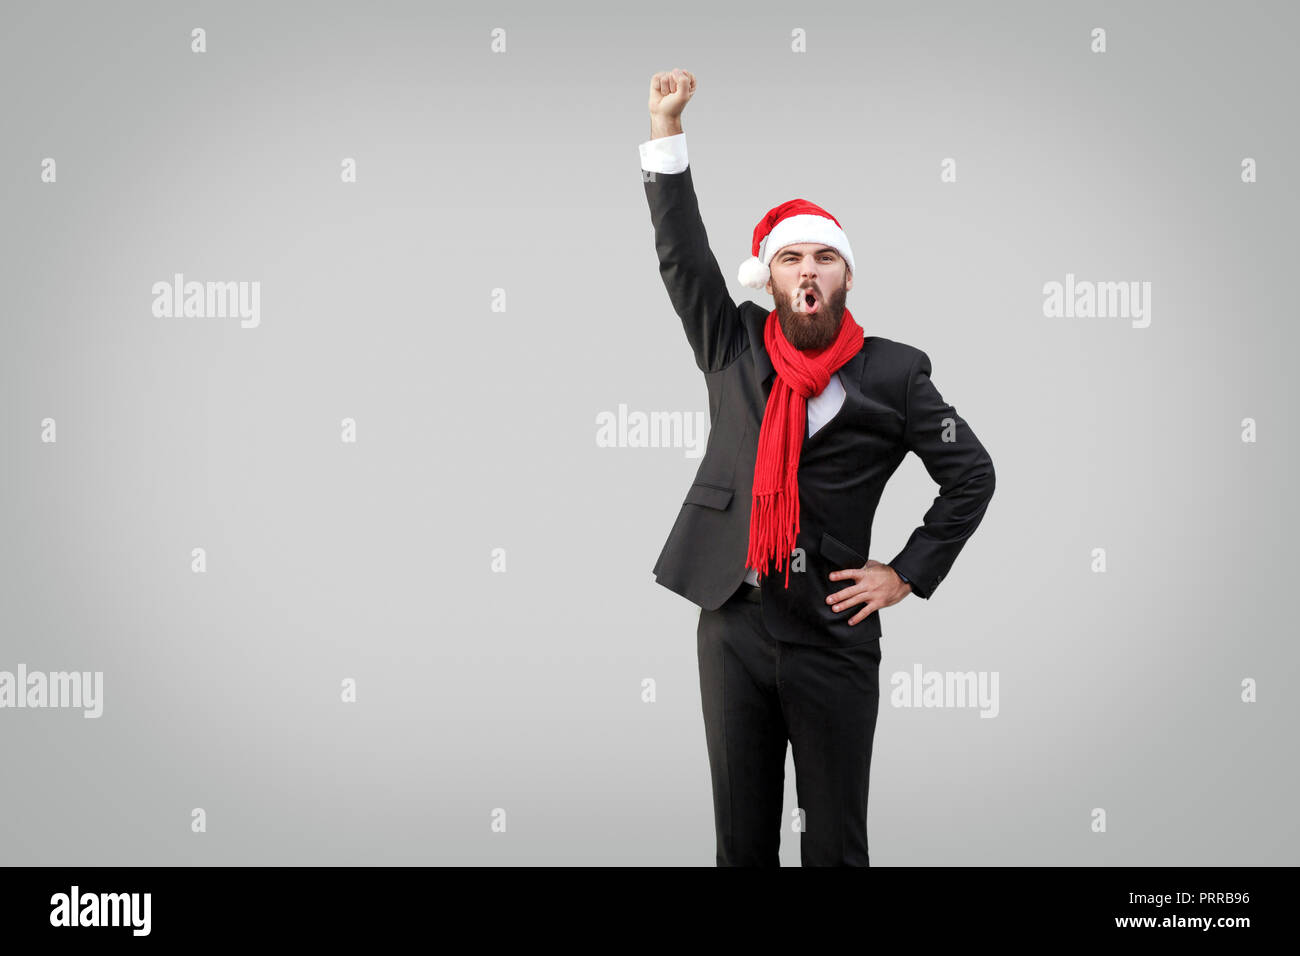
(815, 331)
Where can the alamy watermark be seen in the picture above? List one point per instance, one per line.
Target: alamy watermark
(1084, 299)
(102, 909)
(72, 689)
(208, 300)
(975, 689)
(624, 429)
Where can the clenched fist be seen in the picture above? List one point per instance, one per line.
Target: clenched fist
(669, 94)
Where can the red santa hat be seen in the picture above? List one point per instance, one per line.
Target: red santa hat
(797, 220)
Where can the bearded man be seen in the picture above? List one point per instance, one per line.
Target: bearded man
(809, 417)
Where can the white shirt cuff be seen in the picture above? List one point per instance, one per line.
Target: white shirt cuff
(666, 154)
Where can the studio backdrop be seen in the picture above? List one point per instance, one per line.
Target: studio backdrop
(345, 414)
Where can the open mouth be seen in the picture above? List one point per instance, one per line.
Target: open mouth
(810, 302)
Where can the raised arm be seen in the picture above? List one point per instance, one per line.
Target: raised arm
(689, 270)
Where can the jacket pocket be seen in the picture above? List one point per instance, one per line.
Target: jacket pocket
(840, 553)
(711, 496)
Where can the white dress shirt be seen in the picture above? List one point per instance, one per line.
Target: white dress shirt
(667, 154)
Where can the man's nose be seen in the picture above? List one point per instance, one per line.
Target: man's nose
(808, 267)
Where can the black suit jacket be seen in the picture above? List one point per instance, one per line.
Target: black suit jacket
(890, 407)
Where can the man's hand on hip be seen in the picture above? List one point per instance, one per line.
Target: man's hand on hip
(877, 584)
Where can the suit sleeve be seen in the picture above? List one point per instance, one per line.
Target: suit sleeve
(688, 268)
(962, 469)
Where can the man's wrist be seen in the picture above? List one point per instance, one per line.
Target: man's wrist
(661, 126)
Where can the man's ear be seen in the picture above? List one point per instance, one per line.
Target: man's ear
(848, 279)
(768, 287)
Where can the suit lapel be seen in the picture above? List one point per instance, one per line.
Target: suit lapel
(850, 377)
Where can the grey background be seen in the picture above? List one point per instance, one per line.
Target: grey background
(476, 429)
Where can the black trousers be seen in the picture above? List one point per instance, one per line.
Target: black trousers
(758, 693)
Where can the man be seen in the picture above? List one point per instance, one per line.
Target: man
(809, 418)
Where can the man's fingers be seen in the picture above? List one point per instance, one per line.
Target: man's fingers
(843, 573)
(866, 612)
(849, 599)
(855, 574)
(672, 81)
(855, 594)
(841, 594)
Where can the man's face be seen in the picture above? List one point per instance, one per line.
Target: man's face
(819, 278)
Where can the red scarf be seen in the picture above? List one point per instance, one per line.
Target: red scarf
(774, 517)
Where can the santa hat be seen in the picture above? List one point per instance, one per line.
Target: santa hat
(795, 221)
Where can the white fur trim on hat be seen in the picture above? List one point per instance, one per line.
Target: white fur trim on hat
(805, 227)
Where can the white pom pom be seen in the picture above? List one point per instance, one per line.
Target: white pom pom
(753, 273)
